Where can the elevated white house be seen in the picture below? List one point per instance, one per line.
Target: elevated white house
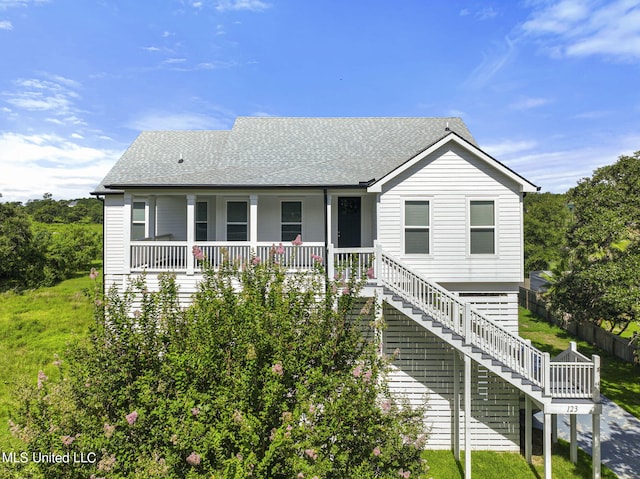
(440, 219)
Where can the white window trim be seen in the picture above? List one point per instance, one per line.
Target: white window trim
(226, 219)
(495, 227)
(146, 217)
(292, 200)
(403, 227)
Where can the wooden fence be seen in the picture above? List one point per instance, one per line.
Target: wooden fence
(619, 347)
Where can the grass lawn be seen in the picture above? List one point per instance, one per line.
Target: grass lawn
(509, 465)
(620, 381)
(34, 327)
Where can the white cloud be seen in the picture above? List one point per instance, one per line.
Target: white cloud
(583, 28)
(159, 120)
(492, 63)
(34, 164)
(559, 170)
(5, 4)
(529, 103)
(508, 147)
(251, 5)
(6, 25)
(54, 94)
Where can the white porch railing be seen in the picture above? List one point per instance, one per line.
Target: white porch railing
(350, 262)
(176, 255)
(556, 379)
(158, 256)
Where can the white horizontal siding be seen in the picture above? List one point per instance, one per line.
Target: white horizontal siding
(114, 234)
(171, 217)
(423, 371)
(449, 178)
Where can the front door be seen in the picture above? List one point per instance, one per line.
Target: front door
(349, 221)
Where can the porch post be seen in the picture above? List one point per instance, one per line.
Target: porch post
(547, 445)
(595, 446)
(573, 438)
(467, 417)
(330, 259)
(595, 441)
(253, 222)
(455, 433)
(528, 428)
(191, 229)
(328, 206)
(126, 219)
(152, 217)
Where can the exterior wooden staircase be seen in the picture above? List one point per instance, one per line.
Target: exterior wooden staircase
(570, 381)
(568, 384)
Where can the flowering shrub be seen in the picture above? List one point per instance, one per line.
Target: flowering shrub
(265, 375)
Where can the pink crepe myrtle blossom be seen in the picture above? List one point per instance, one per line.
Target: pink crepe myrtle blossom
(256, 261)
(316, 258)
(108, 430)
(367, 376)
(67, 440)
(371, 273)
(280, 249)
(197, 253)
(93, 274)
(132, 417)
(194, 459)
(357, 371)
(277, 369)
(404, 474)
(312, 454)
(386, 405)
(195, 411)
(377, 451)
(297, 241)
(42, 377)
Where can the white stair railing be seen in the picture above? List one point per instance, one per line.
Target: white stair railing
(560, 379)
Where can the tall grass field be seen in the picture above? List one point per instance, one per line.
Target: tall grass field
(35, 326)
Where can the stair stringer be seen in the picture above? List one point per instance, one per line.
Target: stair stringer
(457, 342)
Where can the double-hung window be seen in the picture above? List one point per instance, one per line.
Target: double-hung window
(202, 220)
(482, 226)
(291, 220)
(416, 227)
(237, 221)
(139, 220)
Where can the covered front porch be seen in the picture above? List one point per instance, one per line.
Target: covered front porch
(303, 227)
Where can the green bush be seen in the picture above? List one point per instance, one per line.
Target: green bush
(265, 375)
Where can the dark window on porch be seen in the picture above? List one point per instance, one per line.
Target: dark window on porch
(291, 222)
(416, 227)
(237, 221)
(138, 221)
(202, 217)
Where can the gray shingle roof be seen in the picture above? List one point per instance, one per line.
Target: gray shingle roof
(267, 151)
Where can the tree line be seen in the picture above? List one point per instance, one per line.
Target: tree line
(46, 241)
(589, 238)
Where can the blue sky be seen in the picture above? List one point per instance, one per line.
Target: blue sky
(549, 87)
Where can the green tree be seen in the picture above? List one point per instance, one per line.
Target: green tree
(602, 282)
(266, 375)
(547, 217)
(18, 257)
